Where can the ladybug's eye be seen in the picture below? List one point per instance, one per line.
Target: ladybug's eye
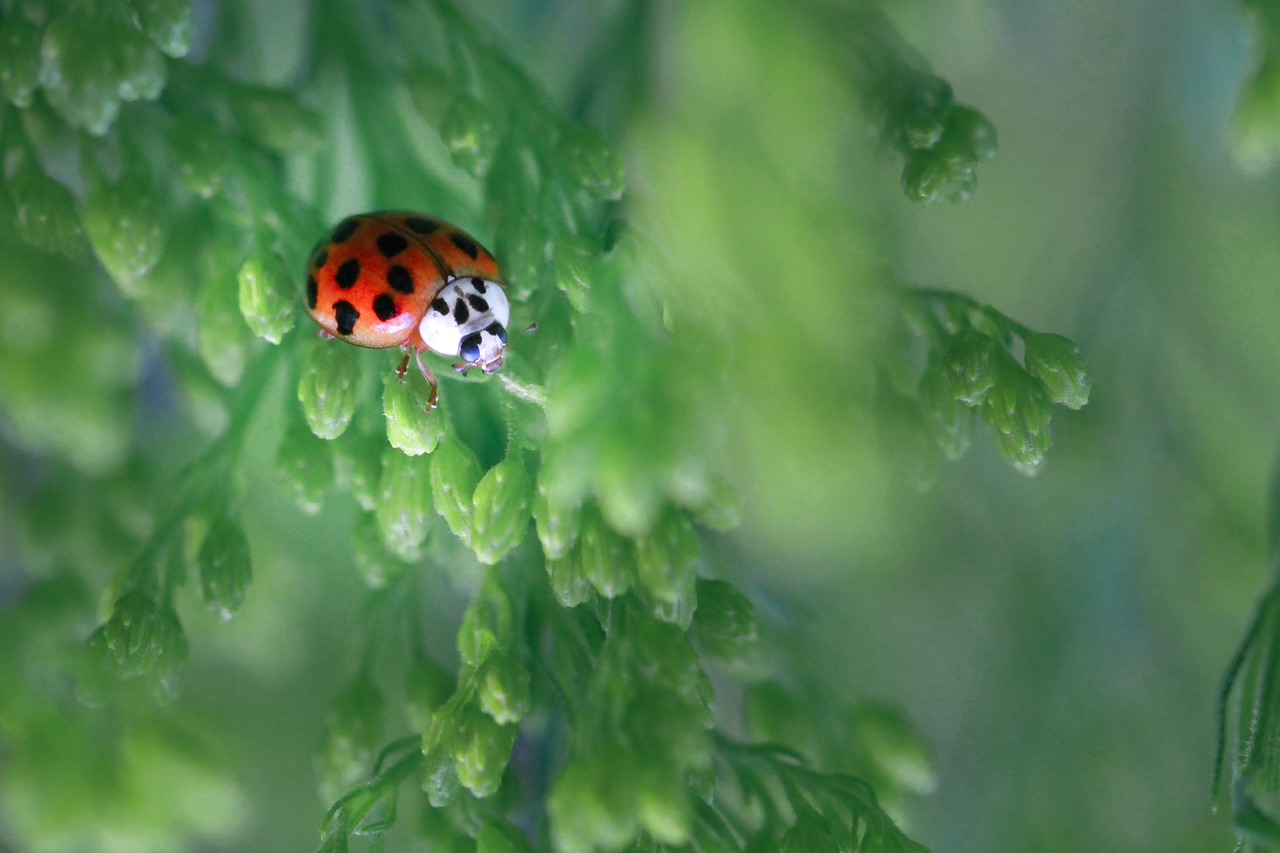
(470, 349)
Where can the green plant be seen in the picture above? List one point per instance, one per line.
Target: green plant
(591, 644)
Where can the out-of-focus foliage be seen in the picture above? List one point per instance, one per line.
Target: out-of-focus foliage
(715, 562)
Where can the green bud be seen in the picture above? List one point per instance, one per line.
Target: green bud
(266, 295)
(522, 242)
(481, 749)
(591, 162)
(95, 671)
(221, 337)
(275, 118)
(439, 778)
(972, 132)
(404, 503)
(133, 634)
(665, 568)
(1255, 126)
(46, 210)
(893, 746)
(127, 226)
(166, 675)
(411, 426)
(357, 461)
(200, 151)
(568, 581)
(504, 688)
(970, 365)
(931, 95)
(573, 268)
(1018, 409)
(19, 59)
(725, 620)
(809, 834)
(167, 22)
(327, 388)
(140, 68)
(925, 177)
(1056, 362)
(501, 838)
(501, 509)
(427, 687)
(608, 561)
(225, 568)
(664, 809)
(471, 134)
(487, 624)
(305, 465)
(430, 90)
(557, 524)
(592, 803)
(943, 169)
(352, 738)
(375, 563)
(78, 73)
(455, 471)
(947, 419)
(962, 184)
(922, 130)
(721, 508)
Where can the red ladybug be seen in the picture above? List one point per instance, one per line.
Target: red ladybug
(396, 278)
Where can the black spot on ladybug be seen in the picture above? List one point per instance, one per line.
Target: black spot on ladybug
(460, 312)
(391, 244)
(440, 306)
(469, 349)
(421, 226)
(312, 292)
(320, 259)
(343, 232)
(400, 279)
(495, 329)
(384, 305)
(465, 244)
(346, 315)
(478, 303)
(347, 273)
(478, 284)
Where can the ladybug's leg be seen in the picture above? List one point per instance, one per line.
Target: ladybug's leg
(461, 367)
(404, 365)
(430, 377)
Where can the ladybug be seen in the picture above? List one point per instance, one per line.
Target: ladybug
(400, 279)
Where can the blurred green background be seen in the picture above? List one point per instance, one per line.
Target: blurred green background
(1059, 640)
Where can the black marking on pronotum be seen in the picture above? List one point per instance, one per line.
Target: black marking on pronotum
(470, 347)
(343, 232)
(347, 273)
(495, 329)
(465, 244)
(313, 291)
(400, 279)
(346, 315)
(421, 226)
(440, 306)
(391, 244)
(320, 259)
(384, 305)
(478, 303)
(478, 284)
(460, 312)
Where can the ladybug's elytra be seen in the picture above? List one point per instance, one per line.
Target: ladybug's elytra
(395, 278)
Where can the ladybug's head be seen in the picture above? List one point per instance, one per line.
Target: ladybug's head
(468, 318)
